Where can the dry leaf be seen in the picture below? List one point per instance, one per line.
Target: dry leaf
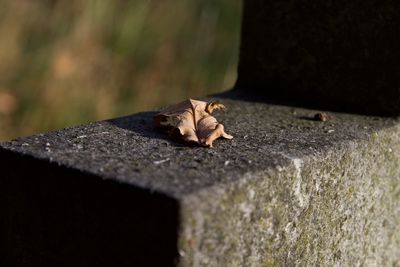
(191, 122)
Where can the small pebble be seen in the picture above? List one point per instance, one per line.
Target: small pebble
(161, 161)
(321, 116)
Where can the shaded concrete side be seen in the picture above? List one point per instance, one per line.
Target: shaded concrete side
(340, 208)
(55, 216)
(337, 55)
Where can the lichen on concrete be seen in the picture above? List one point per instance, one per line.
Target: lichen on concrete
(286, 191)
(338, 209)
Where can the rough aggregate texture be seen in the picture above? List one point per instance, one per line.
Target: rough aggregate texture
(286, 191)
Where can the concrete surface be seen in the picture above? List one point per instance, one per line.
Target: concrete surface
(336, 55)
(286, 191)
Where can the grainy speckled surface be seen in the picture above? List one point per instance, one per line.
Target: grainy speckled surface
(286, 191)
(130, 150)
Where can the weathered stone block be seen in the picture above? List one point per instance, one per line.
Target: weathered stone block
(338, 55)
(286, 191)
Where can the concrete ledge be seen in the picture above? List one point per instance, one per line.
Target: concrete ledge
(286, 191)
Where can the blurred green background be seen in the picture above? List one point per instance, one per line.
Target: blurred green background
(68, 62)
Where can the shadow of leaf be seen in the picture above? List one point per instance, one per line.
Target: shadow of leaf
(142, 124)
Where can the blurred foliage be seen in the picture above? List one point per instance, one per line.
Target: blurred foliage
(67, 62)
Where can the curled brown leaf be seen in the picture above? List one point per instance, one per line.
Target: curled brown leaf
(191, 122)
